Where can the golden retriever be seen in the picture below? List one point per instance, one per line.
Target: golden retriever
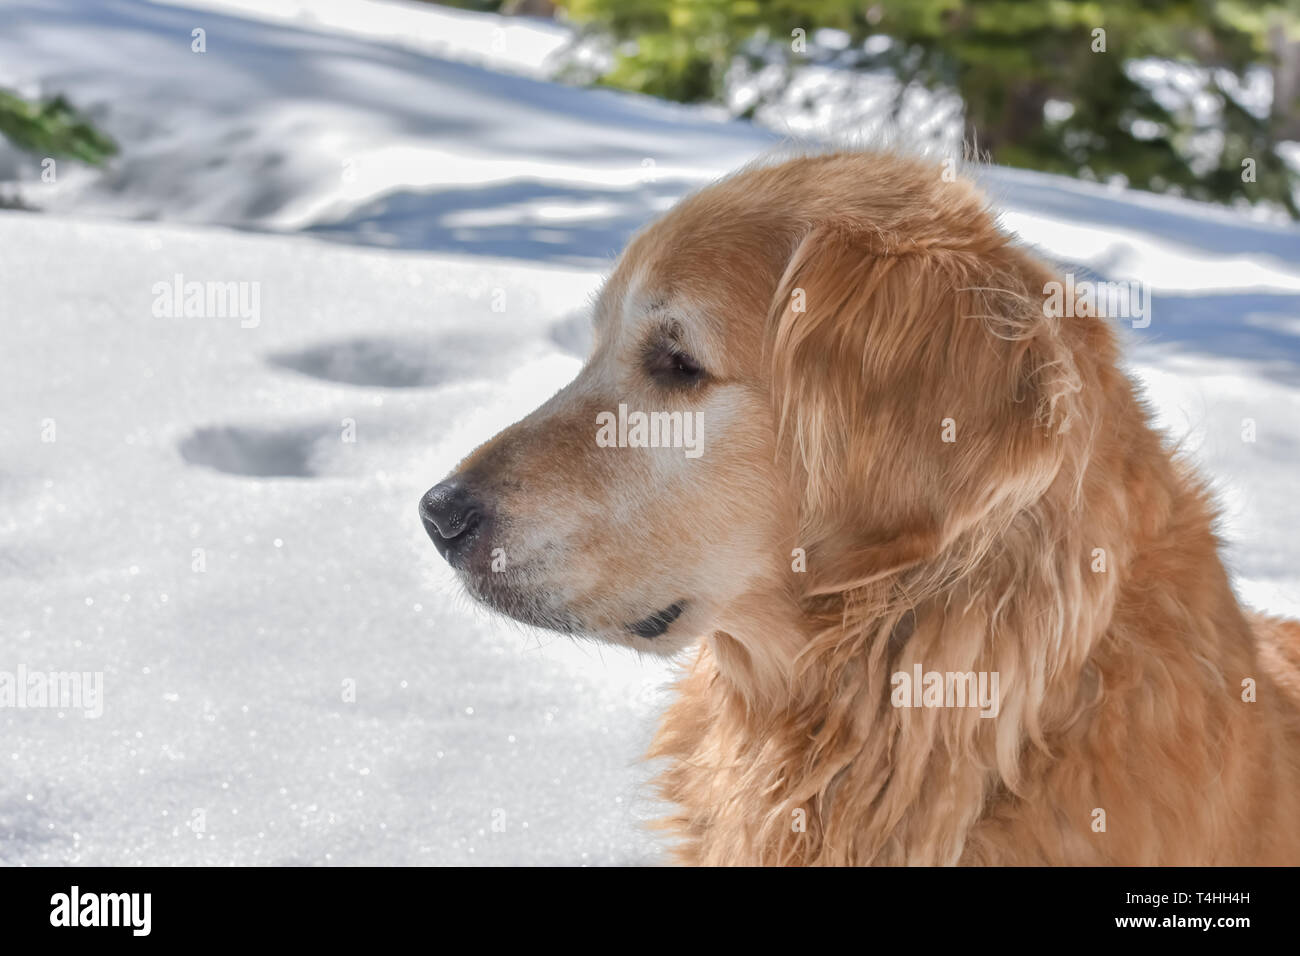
(830, 433)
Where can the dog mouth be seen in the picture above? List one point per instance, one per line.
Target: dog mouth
(522, 604)
(530, 607)
(658, 623)
(516, 591)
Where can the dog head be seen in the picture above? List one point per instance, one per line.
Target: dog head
(806, 377)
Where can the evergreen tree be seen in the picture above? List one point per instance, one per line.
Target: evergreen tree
(1008, 60)
(53, 128)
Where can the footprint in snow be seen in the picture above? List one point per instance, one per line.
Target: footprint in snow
(259, 452)
(405, 362)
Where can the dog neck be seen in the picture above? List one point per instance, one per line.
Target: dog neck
(791, 711)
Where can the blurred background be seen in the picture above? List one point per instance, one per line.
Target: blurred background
(1178, 96)
(269, 268)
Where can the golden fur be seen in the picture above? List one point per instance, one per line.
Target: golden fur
(846, 310)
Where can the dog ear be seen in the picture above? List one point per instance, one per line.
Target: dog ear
(917, 389)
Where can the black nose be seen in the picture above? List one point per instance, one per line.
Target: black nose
(450, 513)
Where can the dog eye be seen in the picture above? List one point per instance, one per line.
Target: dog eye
(672, 366)
(683, 364)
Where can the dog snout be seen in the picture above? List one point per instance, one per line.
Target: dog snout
(451, 513)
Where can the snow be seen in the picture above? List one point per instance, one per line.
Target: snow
(518, 45)
(287, 129)
(201, 529)
(224, 687)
